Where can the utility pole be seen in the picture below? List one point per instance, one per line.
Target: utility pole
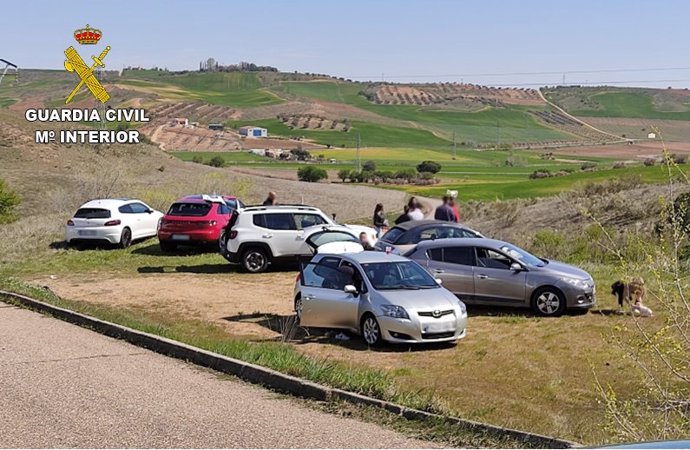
(359, 161)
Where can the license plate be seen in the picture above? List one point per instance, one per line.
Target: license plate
(441, 327)
(87, 232)
(180, 237)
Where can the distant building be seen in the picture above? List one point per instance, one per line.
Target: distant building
(651, 136)
(256, 132)
(180, 121)
(216, 126)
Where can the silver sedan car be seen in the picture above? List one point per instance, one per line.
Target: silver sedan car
(491, 272)
(382, 297)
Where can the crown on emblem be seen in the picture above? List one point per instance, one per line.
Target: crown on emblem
(88, 35)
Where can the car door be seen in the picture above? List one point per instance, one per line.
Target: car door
(146, 222)
(494, 281)
(324, 302)
(454, 266)
(278, 230)
(302, 221)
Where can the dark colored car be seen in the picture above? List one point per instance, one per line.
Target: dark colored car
(196, 219)
(406, 235)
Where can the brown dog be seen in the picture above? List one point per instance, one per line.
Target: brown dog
(634, 292)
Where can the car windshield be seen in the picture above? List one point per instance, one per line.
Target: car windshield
(92, 213)
(522, 255)
(398, 275)
(392, 235)
(189, 209)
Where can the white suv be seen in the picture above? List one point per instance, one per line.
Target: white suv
(257, 236)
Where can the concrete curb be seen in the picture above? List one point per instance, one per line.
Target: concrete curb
(271, 378)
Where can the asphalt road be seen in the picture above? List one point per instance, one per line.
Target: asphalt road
(65, 386)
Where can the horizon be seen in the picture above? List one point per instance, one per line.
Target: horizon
(595, 44)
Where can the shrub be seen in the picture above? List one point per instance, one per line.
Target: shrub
(197, 159)
(344, 174)
(369, 166)
(679, 159)
(405, 174)
(301, 154)
(649, 162)
(540, 173)
(428, 166)
(619, 165)
(311, 174)
(9, 200)
(588, 165)
(216, 161)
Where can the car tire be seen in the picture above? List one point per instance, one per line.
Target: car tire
(370, 330)
(548, 302)
(167, 247)
(255, 260)
(298, 310)
(126, 238)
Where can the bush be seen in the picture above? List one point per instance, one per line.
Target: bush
(9, 200)
(197, 159)
(300, 154)
(369, 166)
(429, 166)
(649, 162)
(541, 173)
(588, 166)
(344, 174)
(679, 159)
(311, 174)
(405, 174)
(619, 165)
(216, 161)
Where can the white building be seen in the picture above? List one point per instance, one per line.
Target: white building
(651, 136)
(255, 132)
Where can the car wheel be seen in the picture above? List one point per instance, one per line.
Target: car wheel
(548, 301)
(126, 238)
(255, 260)
(167, 246)
(298, 309)
(371, 331)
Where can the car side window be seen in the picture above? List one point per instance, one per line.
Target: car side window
(308, 220)
(223, 209)
(357, 280)
(459, 255)
(138, 208)
(330, 262)
(125, 209)
(278, 221)
(322, 276)
(492, 259)
(429, 233)
(435, 254)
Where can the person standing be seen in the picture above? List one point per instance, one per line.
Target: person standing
(404, 217)
(453, 203)
(271, 199)
(364, 241)
(379, 219)
(445, 211)
(415, 209)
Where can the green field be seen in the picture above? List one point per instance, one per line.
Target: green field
(240, 89)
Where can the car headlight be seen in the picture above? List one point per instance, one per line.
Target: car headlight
(585, 284)
(463, 307)
(395, 311)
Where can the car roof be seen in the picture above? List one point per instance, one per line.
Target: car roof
(461, 242)
(202, 198)
(108, 202)
(368, 257)
(251, 208)
(410, 224)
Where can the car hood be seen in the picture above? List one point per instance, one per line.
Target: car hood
(419, 300)
(563, 269)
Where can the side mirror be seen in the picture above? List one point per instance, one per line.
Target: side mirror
(438, 281)
(515, 267)
(150, 211)
(350, 289)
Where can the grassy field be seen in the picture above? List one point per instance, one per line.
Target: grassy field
(229, 89)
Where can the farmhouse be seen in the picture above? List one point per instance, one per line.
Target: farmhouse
(180, 121)
(216, 126)
(250, 131)
(651, 136)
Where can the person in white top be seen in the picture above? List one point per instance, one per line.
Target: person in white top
(415, 209)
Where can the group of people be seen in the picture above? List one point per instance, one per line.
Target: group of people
(447, 211)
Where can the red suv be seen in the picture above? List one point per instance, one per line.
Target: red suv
(196, 219)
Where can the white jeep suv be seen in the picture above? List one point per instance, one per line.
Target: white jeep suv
(257, 236)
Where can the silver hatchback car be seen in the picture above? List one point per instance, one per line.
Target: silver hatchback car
(491, 272)
(380, 296)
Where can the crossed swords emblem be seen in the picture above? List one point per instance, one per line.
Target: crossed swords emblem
(74, 63)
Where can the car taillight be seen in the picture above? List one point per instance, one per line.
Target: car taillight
(233, 234)
(70, 223)
(112, 223)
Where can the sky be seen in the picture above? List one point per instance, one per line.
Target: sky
(520, 42)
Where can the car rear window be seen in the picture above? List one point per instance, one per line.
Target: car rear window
(92, 213)
(393, 235)
(189, 209)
